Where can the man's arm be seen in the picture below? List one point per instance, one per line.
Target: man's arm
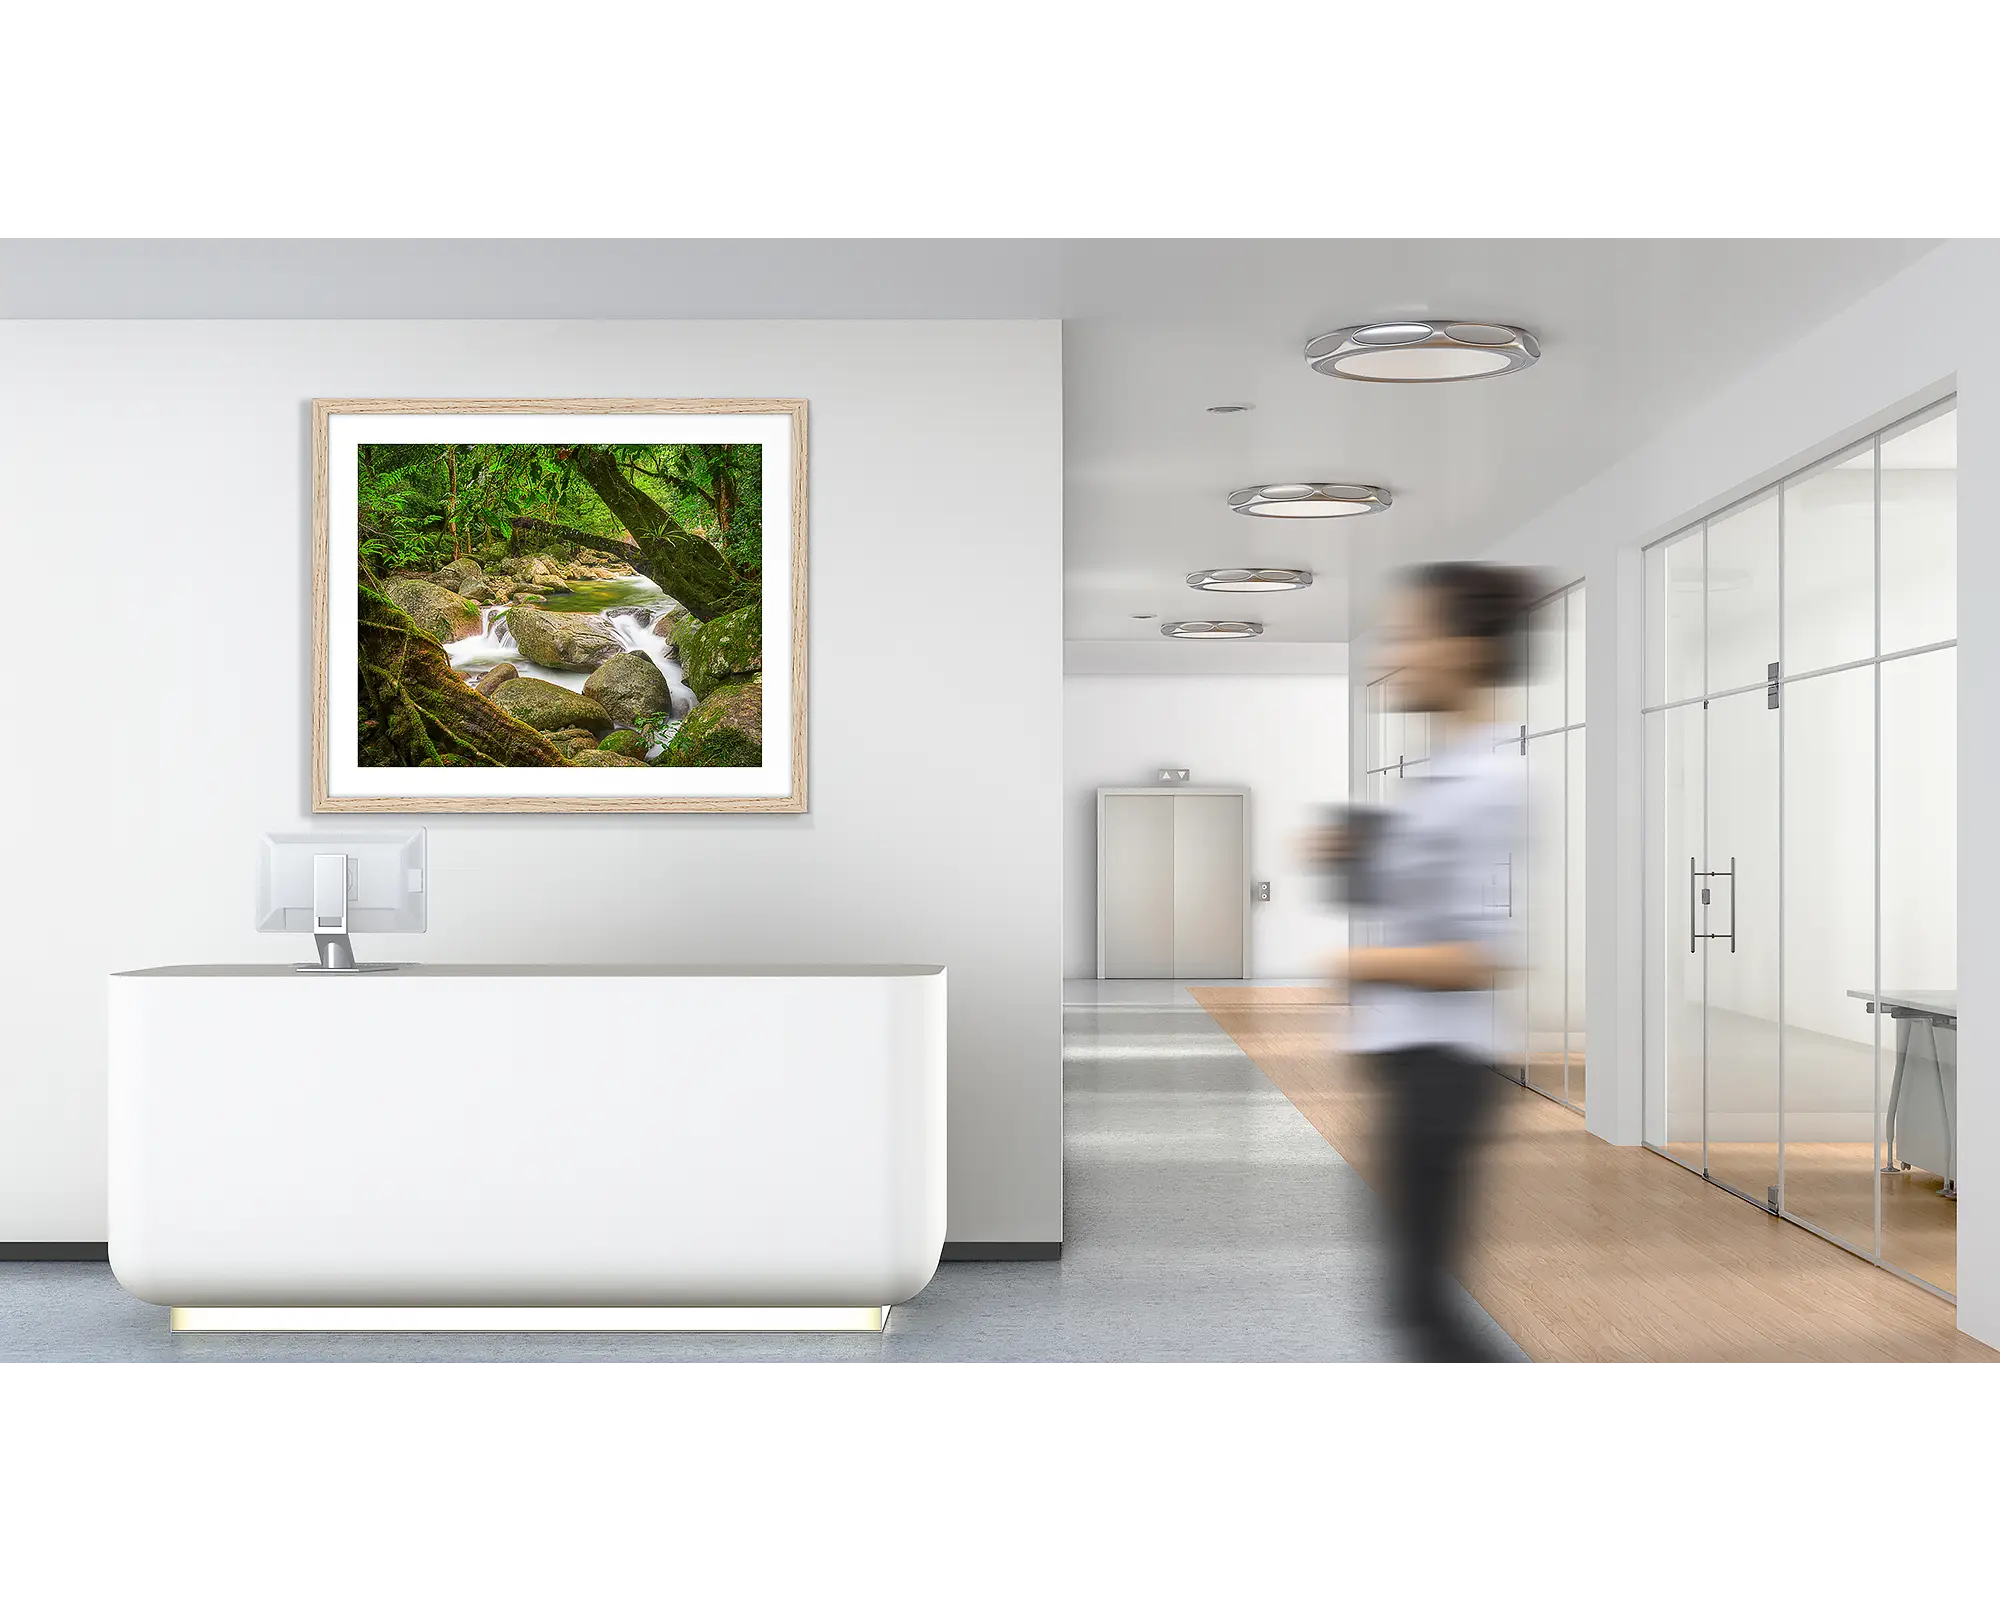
(1428, 966)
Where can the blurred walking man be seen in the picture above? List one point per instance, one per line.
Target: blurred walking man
(1422, 1005)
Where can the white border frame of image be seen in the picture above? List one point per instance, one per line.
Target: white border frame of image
(348, 781)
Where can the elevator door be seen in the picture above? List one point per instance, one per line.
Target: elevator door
(1209, 886)
(1136, 885)
(1173, 897)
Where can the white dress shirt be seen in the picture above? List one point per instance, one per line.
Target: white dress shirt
(1443, 864)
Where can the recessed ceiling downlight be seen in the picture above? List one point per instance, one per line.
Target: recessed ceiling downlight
(1211, 630)
(1432, 351)
(1250, 580)
(1309, 500)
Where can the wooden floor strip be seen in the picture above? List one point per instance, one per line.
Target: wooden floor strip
(1587, 1251)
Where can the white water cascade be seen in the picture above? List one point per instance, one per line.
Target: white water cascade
(628, 607)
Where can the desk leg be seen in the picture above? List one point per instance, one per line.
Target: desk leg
(1895, 1093)
(1946, 1101)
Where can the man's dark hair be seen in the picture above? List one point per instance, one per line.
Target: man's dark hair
(1480, 600)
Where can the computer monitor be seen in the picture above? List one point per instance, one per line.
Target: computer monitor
(331, 885)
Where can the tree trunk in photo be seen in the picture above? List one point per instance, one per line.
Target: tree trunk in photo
(416, 712)
(681, 562)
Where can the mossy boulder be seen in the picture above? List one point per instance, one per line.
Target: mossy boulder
(624, 742)
(493, 677)
(435, 610)
(725, 730)
(563, 641)
(629, 687)
(549, 706)
(601, 757)
(724, 647)
(458, 572)
(539, 570)
(573, 742)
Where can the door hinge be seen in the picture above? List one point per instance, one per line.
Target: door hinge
(1771, 687)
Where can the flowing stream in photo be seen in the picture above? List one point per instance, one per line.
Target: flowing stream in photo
(628, 607)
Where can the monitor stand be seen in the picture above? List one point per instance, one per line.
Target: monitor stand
(336, 954)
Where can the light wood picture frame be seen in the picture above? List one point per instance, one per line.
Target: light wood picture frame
(425, 699)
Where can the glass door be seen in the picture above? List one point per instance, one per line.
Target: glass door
(1735, 891)
(1510, 989)
(1550, 744)
(1546, 972)
(1801, 725)
(1829, 943)
(1713, 991)
(1830, 826)
(1737, 880)
(1676, 969)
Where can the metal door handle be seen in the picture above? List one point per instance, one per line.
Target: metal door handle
(1732, 905)
(1731, 876)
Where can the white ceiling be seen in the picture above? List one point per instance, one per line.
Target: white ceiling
(1633, 333)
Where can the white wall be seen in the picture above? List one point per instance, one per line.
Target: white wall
(154, 491)
(1282, 737)
(1920, 336)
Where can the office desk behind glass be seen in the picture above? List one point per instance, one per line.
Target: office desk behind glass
(1922, 1123)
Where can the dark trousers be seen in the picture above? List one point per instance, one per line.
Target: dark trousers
(1439, 1103)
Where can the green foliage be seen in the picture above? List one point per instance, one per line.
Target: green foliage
(656, 728)
(400, 549)
(423, 505)
(715, 490)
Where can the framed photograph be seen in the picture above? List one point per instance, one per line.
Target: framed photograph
(559, 605)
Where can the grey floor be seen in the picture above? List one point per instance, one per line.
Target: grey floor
(1206, 1221)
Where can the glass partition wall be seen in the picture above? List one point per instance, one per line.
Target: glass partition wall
(1801, 730)
(1538, 1011)
(1546, 717)
(1396, 750)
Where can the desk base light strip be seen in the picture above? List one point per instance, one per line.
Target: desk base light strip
(527, 1319)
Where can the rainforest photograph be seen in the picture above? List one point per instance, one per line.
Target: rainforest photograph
(549, 605)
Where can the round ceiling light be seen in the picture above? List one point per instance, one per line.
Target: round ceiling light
(1250, 580)
(1211, 630)
(1431, 351)
(1309, 500)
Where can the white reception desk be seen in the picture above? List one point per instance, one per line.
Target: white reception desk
(527, 1146)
